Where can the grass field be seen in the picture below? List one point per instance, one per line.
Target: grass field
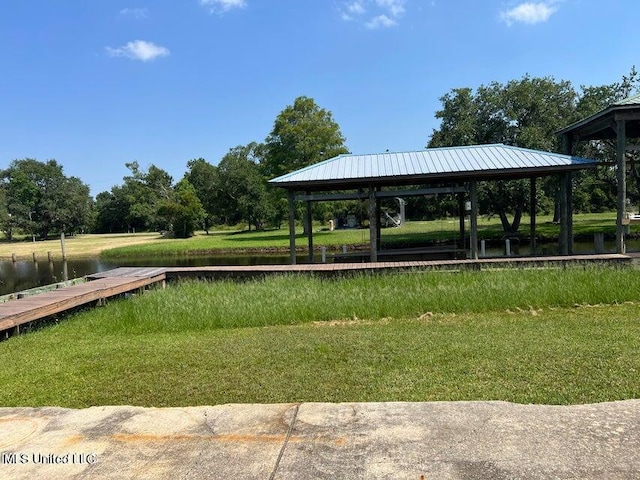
(529, 336)
(78, 246)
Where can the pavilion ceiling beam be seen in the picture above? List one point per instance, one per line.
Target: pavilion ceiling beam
(627, 116)
(595, 130)
(421, 191)
(330, 197)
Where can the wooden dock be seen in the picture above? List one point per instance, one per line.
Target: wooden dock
(16, 313)
(101, 286)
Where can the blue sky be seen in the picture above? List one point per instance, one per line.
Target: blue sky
(98, 83)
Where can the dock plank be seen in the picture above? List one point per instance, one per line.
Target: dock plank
(29, 309)
(128, 272)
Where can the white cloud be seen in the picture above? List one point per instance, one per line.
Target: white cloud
(222, 6)
(139, 50)
(352, 9)
(137, 13)
(381, 21)
(395, 7)
(356, 8)
(528, 12)
(373, 13)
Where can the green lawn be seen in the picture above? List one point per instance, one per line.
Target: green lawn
(529, 336)
(413, 233)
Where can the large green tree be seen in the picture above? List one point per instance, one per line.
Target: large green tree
(134, 204)
(242, 188)
(5, 220)
(182, 210)
(111, 211)
(40, 199)
(525, 113)
(144, 191)
(302, 134)
(206, 183)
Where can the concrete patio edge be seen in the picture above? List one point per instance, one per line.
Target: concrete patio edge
(439, 440)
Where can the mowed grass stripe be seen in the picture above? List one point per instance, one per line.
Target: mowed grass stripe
(566, 356)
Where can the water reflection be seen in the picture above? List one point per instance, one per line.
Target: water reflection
(25, 274)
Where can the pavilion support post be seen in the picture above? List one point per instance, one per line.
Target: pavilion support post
(309, 229)
(473, 187)
(621, 174)
(532, 214)
(373, 224)
(567, 143)
(461, 212)
(292, 227)
(378, 224)
(563, 239)
(569, 180)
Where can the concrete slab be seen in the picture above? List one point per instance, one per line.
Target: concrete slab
(447, 440)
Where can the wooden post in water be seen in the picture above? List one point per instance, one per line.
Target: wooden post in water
(598, 241)
(13, 258)
(35, 258)
(64, 253)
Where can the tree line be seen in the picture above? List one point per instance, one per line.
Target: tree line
(37, 199)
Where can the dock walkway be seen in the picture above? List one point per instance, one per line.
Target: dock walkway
(15, 313)
(103, 285)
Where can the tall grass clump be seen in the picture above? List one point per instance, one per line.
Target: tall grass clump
(295, 299)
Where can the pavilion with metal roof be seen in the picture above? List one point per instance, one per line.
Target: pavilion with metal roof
(454, 170)
(619, 122)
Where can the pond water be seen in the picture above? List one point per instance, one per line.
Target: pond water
(25, 274)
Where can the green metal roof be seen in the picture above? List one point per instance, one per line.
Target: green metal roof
(431, 165)
(634, 100)
(598, 125)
